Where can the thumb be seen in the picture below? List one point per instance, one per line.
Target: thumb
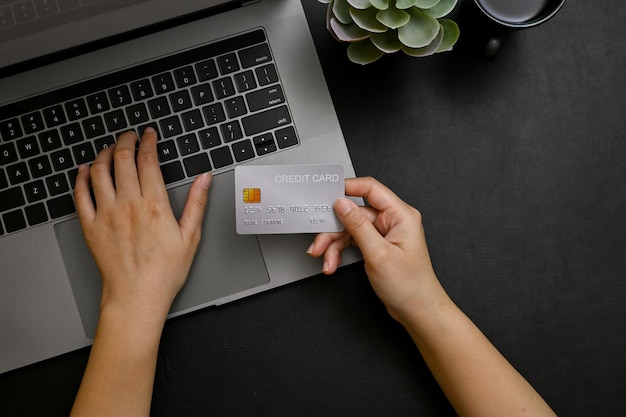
(367, 238)
(195, 206)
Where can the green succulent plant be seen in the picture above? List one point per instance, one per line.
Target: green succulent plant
(377, 27)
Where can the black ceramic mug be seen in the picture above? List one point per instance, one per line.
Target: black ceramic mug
(510, 15)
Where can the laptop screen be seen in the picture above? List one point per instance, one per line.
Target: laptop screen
(31, 29)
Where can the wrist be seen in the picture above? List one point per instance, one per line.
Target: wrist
(426, 306)
(138, 305)
(134, 318)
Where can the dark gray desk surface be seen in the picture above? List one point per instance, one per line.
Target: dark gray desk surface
(519, 168)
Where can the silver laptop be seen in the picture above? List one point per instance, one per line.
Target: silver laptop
(224, 83)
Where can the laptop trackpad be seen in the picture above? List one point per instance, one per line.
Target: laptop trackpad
(225, 264)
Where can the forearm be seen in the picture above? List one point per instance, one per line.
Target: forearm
(119, 377)
(475, 377)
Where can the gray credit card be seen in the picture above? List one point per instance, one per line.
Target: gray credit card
(278, 199)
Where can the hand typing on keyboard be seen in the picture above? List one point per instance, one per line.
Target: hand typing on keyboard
(143, 252)
(144, 255)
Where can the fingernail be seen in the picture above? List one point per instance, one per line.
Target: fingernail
(149, 129)
(343, 206)
(205, 180)
(310, 249)
(325, 267)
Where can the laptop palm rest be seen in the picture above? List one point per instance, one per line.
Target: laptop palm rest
(226, 263)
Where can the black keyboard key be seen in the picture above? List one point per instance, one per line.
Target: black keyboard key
(115, 120)
(209, 138)
(141, 89)
(264, 144)
(32, 123)
(57, 184)
(231, 131)
(35, 191)
(286, 137)
(120, 96)
(202, 94)
(264, 150)
(36, 214)
(6, 20)
(172, 172)
(137, 114)
(71, 176)
(61, 206)
(68, 4)
(62, 159)
(192, 120)
(184, 77)
(8, 153)
(11, 198)
(10, 129)
(84, 153)
(235, 107)
(206, 70)
(263, 140)
(72, 134)
(98, 102)
(103, 143)
(28, 147)
(170, 127)
(14, 221)
(266, 74)
(180, 101)
(54, 116)
(40, 166)
(266, 120)
(45, 8)
(188, 144)
(93, 127)
(50, 140)
(167, 151)
(159, 107)
(76, 109)
(221, 157)
(197, 164)
(228, 63)
(245, 81)
(24, 12)
(223, 87)
(264, 98)
(4, 183)
(214, 113)
(255, 55)
(243, 150)
(163, 83)
(18, 173)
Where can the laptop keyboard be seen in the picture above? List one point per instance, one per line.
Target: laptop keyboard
(213, 106)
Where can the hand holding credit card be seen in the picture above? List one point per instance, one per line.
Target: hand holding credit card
(281, 199)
